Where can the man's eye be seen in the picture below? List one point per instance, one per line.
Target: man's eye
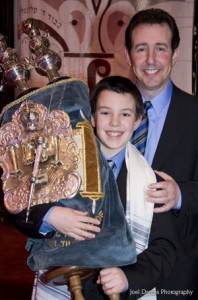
(160, 49)
(140, 50)
(126, 115)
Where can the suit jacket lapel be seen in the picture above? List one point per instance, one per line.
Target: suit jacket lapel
(173, 129)
(121, 181)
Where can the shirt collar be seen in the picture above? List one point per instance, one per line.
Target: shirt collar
(117, 159)
(162, 100)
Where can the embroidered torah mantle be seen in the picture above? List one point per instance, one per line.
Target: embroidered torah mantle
(48, 153)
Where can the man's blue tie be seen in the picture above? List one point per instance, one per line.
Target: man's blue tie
(139, 136)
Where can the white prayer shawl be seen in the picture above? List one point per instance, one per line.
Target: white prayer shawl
(42, 291)
(139, 212)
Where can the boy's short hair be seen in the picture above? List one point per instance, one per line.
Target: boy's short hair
(118, 84)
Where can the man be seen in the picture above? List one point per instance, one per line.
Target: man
(152, 47)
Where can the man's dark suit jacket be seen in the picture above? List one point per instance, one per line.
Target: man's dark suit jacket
(177, 155)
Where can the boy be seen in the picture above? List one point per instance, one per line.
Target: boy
(116, 112)
(74, 205)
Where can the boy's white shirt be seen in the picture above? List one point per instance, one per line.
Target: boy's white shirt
(139, 212)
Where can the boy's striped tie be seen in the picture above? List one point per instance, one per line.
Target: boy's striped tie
(139, 136)
(111, 164)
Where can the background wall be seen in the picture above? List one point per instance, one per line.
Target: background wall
(89, 35)
(16, 278)
(6, 29)
(195, 51)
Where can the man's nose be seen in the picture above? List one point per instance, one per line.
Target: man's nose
(150, 56)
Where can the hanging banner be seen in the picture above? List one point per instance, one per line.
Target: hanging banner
(89, 35)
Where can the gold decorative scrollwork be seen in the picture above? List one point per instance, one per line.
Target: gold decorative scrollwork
(39, 157)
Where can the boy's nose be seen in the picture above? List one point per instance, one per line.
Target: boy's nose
(114, 121)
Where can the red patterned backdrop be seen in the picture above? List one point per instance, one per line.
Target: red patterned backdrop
(89, 35)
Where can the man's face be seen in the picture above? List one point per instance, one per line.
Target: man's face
(152, 57)
(114, 121)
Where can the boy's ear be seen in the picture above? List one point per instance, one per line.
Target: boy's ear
(93, 121)
(137, 122)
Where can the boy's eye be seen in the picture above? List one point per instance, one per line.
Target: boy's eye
(126, 114)
(104, 112)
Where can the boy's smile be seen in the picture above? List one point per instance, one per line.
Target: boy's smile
(114, 120)
(114, 134)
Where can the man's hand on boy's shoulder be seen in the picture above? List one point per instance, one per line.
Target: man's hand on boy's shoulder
(165, 192)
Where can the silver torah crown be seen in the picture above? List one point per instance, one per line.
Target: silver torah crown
(15, 71)
(46, 62)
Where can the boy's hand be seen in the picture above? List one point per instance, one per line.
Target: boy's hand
(73, 223)
(113, 281)
(164, 192)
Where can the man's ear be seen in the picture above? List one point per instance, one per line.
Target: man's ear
(137, 122)
(127, 57)
(175, 56)
(93, 121)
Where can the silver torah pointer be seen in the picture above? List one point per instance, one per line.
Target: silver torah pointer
(34, 173)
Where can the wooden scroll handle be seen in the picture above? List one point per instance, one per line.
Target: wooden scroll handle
(72, 275)
(76, 287)
(114, 297)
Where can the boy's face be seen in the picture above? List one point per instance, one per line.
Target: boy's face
(114, 120)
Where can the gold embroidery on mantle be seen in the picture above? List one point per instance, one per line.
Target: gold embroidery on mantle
(91, 178)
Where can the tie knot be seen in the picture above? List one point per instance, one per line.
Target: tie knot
(111, 163)
(147, 105)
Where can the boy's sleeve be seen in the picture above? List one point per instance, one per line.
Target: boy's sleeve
(32, 227)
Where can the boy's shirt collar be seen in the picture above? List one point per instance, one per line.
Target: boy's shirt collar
(118, 160)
